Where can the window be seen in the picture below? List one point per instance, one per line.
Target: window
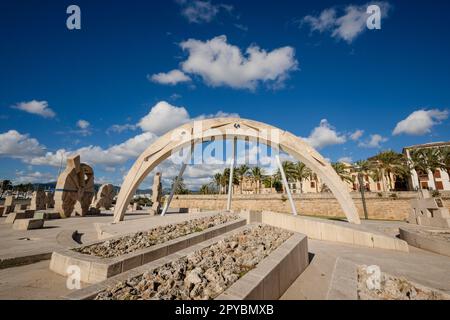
(424, 184)
(313, 184)
(439, 185)
(378, 186)
(437, 173)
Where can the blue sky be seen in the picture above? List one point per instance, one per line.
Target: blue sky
(314, 71)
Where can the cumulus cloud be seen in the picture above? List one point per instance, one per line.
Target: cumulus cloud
(16, 145)
(324, 135)
(346, 159)
(219, 63)
(40, 108)
(172, 77)
(119, 128)
(34, 177)
(96, 155)
(374, 141)
(164, 117)
(356, 135)
(420, 122)
(198, 11)
(83, 124)
(347, 25)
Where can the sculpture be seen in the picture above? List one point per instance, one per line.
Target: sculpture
(104, 197)
(74, 189)
(38, 200)
(156, 194)
(49, 200)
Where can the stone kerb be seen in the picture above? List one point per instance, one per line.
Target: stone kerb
(96, 269)
(333, 231)
(418, 240)
(269, 280)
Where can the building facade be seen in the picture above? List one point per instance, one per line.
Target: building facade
(438, 180)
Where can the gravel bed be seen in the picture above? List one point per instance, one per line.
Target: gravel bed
(203, 274)
(394, 288)
(141, 240)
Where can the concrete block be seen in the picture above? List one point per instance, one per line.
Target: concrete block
(345, 235)
(28, 224)
(47, 215)
(363, 239)
(13, 216)
(383, 242)
(132, 262)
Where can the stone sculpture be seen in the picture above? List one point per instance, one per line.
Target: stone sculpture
(49, 200)
(429, 211)
(74, 189)
(156, 194)
(38, 200)
(104, 197)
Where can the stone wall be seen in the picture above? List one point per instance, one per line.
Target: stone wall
(384, 206)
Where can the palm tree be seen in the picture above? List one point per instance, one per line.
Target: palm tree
(205, 189)
(445, 160)
(361, 167)
(257, 174)
(431, 158)
(289, 171)
(418, 163)
(302, 172)
(391, 164)
(342, 171)
(181, 187)
(226, 178)
(241, 172)
(217, 180)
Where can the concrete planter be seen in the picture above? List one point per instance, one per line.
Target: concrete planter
(96, 269)
(268, 281)
(418, 240)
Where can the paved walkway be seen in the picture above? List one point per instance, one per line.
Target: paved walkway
(36, 281)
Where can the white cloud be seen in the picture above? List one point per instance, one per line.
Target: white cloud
(96, 155)
(83, 124)
(119, 128)
(374, 141)
(346, 159)
(324, 135)
(40, 108)
(356, 135)
(34, 177)
(420, 122)
(172, 77)
(347, 26)
(202, 11)
(221, 64)
(164, 117)
(16, 145)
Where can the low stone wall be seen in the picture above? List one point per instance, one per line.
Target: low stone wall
(383, 206)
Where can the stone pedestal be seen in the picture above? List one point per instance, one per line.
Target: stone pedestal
(28, 224)
(13, 216)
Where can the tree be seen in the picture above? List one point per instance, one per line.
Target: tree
(301, 173)
(205, 189)
(181, 187)
(289, 171)
(431, 158)
(257, 174)
(217, 180)
(342, 171)
(241, 172)
(226, 178)
(6, 185)
(391, 164)
(445, 160)
(418, 163)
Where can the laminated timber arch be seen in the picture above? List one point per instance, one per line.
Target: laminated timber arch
(227, 128)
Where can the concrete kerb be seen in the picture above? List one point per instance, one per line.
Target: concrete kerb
(269, 280)
(96, 269)
(418, 240)
(335, 231)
